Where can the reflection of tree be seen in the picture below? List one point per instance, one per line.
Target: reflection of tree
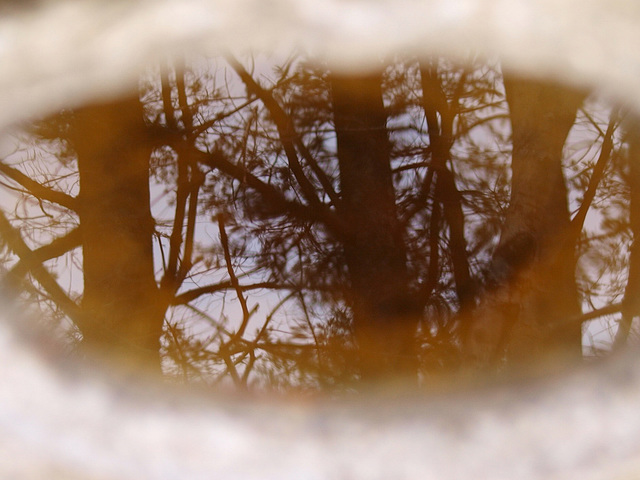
(384, 311)
(535, 246)
(323, 227)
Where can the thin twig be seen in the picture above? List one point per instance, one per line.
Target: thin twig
(246, 314)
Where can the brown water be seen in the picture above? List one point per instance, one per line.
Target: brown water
(268, 224)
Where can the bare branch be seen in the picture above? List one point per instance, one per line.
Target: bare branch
(592, 315)
(289, 138)
(197, 179)
(246, 314)
(598, 172)
(191, 295)
(15, 242)
(56, 248)
(38, 190)
(272, 195)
